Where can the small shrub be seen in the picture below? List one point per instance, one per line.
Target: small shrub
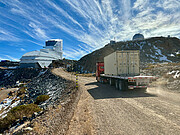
(178, 55)
(24, 110)
(149, 67)
(41, 99)
(17, 113)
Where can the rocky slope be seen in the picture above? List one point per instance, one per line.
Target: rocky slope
(57, 109)
(8, 77)
(152, 50)
(47, 84)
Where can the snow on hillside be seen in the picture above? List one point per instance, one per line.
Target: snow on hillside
(168, 73)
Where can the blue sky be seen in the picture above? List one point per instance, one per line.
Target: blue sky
(84, 25)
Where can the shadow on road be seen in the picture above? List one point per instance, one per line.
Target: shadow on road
(103, 91)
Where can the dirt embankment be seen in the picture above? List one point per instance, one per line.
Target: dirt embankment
(103, 110)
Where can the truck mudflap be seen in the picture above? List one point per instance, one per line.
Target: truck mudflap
(139, 87)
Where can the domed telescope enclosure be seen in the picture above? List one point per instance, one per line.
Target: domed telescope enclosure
(44, 57)
(138, 37)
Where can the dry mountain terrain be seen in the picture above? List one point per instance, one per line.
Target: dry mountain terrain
(155, 49)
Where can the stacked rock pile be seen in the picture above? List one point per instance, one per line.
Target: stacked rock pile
(47, 84)
(9, 77)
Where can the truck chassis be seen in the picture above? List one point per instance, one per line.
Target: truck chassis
(124, 83)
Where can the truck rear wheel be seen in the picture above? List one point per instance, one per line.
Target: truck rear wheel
(111, 81)
(117, 84)
(101, 80)
(120, 84)
(125, 85)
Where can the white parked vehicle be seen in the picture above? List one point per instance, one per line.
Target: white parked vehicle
(121, 69)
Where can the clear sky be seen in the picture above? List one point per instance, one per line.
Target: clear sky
(84, 25)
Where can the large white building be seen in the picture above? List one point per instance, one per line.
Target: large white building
(44, 57)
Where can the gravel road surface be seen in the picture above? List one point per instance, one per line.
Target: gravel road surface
(103, 110)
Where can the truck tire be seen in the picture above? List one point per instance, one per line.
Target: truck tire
(117, 84)
(97, 79)
(101, 80)
(120, 85)
(125, 85)
(110, 81)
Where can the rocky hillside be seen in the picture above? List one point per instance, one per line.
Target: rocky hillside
(168, 74)
(8, 77)
(152, 50)
(43, 105)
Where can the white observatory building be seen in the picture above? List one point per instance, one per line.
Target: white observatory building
(44, 57)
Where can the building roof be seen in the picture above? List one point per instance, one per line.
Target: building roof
(54, 40)
(42, 53)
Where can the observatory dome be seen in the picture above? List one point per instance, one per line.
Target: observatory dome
(44, 57)
(138, 37)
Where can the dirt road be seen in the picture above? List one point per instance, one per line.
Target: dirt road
(103, 110)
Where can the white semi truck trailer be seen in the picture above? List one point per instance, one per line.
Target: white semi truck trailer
(122, 69)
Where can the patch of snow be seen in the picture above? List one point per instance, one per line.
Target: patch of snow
(140, 45)
(8, 73)
(172, 55)
(15, 104)
(7, 103)
(126, 45)
(178, 52)
(12, 67)
(175, 73)
(154, 57)
(4, 115)
(171, 72)
(162, 57)
(42, 72)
